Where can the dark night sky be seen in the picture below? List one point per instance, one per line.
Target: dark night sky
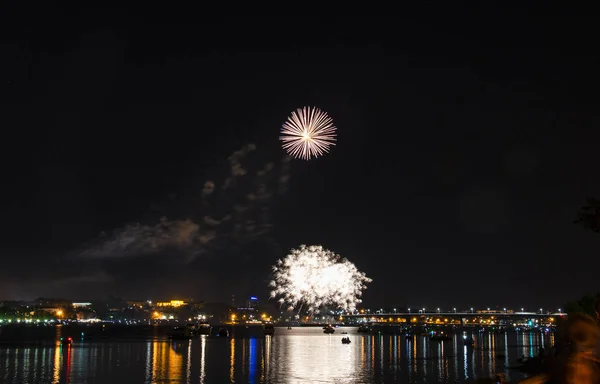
(467, 142)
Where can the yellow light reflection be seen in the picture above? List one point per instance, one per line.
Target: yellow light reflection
(56, 367)
(363, 357)
(154, 361)
(167, 363)
(188, 370)
(175, 368)
(372, 339)
(232, 360)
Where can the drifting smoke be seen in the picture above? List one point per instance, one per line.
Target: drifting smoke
(231, 213)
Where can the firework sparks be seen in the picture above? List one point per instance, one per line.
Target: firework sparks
(307, 133)
(312, 277)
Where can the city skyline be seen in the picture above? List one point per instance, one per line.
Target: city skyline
(242, 302)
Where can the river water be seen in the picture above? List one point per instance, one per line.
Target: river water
(300, 355)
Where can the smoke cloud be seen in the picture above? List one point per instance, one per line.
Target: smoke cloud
(231, 213)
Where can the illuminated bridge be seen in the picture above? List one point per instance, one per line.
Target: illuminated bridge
(470, 318)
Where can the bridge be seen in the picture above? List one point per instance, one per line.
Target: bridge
(473, 318)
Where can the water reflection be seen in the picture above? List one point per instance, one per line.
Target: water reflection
(232, 360)
(300, 355)
(202, 359)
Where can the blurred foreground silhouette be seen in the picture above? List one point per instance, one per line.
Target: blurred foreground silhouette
(575, 358)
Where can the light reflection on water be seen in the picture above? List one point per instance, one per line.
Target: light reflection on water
(303, 355)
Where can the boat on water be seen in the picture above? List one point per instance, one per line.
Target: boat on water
(269, 329)
(188, 331)
(223, 332)
(328, 329)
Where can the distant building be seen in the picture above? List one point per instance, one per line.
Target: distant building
(172, 303)
(81, 305)
(252, 302)
(250, 311)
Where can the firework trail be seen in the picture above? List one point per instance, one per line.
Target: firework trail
(312, 277)
(308, 133)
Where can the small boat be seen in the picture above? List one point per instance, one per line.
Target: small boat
(328, 329)
(188, 332)
(223, 332)
(66, 340)
(346, 340)
(269, 329)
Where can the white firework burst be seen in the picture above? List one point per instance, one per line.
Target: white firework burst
(307, 133)
(312, 277)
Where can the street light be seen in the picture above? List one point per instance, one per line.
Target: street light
(408, 310)
(471, 310)
(541, 311)
(438, 310)
(504, 310)
(394, 310)
(559, 310)
(522, 309)
(454, 310)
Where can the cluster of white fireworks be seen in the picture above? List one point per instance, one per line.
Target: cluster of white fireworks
(312, 277)
(307, 133)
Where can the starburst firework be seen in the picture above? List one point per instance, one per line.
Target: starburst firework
(307, 133)
(313, 277)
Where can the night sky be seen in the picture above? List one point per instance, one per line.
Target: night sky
(467, 141)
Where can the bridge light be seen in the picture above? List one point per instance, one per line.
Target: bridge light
(471, 310)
